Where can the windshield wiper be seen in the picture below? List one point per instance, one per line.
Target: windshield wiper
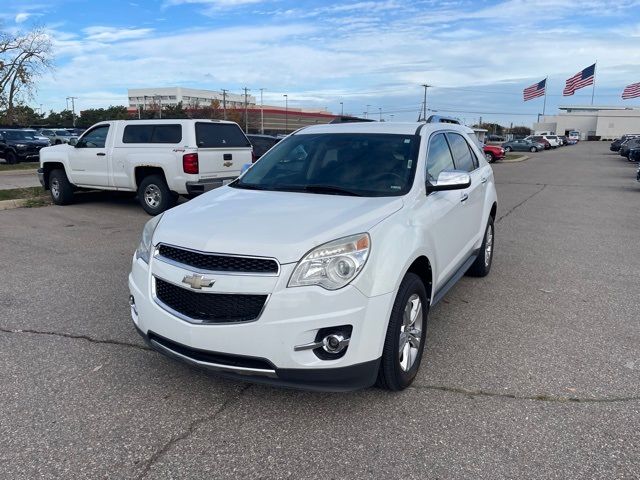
(330, 189)
(248, 186)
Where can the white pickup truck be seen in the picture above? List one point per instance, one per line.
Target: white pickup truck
(158, 159)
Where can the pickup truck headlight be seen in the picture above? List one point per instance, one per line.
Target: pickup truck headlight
(333, 265)
(144, 249)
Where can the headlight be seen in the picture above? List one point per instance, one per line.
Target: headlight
(144, 249)
(334, 264)
(21, 145)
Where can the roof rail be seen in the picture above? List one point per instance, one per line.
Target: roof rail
(443, 119)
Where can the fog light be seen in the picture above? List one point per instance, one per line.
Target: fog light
(334, 343)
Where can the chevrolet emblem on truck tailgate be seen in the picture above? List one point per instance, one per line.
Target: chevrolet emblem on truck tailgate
(227, 164)
(197, 282)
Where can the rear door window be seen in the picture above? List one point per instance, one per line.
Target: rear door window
(152, 134)
(220, 135)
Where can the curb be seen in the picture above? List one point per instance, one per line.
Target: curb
(19, 172)
(11, 204)
(515, 160)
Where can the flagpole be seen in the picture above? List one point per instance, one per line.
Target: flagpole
(544, 105)
(593, 90)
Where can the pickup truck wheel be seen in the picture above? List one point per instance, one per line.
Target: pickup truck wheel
(60, 188)
(154, 195)
(406, 335)
(11, 158)
(482, 265)
(489, 157)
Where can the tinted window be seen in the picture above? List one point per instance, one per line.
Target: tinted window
(364, 164)
(462, 158)
(95, 138)
(220, 135)
(152, 134)
(439, 157)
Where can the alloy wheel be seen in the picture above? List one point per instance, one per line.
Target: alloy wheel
(152, 196)
(410, 332)
(55, 188)
(488, 246)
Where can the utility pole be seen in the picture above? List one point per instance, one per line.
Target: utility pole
(160, 106)
(261, 113)
(342, 109)
(424, 105)
(366, 114)
(224, 103)
(73, 109)
(286, 113)
(246, 115)
(380, 114)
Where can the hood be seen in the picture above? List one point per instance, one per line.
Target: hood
(283, 225)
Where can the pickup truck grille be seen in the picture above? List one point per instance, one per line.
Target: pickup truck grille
(219, 263)
(209, 307)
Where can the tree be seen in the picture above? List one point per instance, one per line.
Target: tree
(174, 111)
(23, 58)
(94, 115)
(520, 131)
(59, 119)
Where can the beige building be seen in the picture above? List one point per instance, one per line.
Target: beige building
(190, 97)
(592, 121)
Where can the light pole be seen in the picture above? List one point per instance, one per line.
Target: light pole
(380, 114)
(286, 113)
(73, 109)
(366, 114)
(261, 112)
(341, 109)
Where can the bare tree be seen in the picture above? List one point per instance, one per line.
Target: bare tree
(23, 58)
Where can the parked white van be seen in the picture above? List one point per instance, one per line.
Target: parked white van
(158, 159)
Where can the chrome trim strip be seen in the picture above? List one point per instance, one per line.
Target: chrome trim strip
(215, 366)
(156, 254)
(175, 313)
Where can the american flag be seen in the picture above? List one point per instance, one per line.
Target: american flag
(535, 90)
(631, 91)
(581, 79)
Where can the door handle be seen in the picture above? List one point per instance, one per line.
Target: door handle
(464, 197)
(483, 180)
(101, 154)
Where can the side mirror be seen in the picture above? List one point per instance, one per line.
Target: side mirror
(73, 142)
(450, 180)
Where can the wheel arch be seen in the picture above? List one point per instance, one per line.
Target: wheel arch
(141, 172)
(421, 267)
(49, 167)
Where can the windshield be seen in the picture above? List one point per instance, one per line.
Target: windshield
(360, 164)
(63, 133)
(17, 135)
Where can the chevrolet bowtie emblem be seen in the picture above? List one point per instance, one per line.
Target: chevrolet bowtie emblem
(197, 282)
(227, 164)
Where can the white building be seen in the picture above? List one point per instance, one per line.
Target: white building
(190, 97)
(592, 121)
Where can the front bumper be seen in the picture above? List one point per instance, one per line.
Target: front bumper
(204, 185)
(41, 177)
(263, 350)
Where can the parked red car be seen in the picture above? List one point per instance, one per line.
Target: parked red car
(493, 153)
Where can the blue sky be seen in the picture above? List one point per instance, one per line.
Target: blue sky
(478, 55)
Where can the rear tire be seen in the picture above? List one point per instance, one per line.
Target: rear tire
(507, 149)
(533, 149)
(406, 335)
(11, 158)
(60, 188)
(154, 195)
(489, 157)
(482, 266)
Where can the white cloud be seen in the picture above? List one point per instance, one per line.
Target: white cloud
(22, 17)
(113, 34)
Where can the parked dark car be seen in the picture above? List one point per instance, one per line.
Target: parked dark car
(495, 138)
(261, 144)
(634, 155)
(540, 139)
(523, 146)
(564, 140)
(628, 145)
(19, 146)
(618, 142)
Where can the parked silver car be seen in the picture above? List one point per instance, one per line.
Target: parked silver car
(57, 136)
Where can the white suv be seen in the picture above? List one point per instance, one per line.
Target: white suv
(318, 266)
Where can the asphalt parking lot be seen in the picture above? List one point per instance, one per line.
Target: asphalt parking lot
(532, 372)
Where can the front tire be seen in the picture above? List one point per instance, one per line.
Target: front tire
(406, 335)
(533, 149)
(489, 157)
(60, 188)
(11, 158)
(482, 266)
(154, 195)
(507, 149)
